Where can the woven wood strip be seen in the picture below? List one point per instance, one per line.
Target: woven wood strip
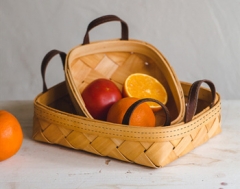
(154, 154)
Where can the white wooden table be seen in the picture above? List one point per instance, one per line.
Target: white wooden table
(214, 165)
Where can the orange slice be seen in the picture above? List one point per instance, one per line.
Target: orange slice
(140, 86)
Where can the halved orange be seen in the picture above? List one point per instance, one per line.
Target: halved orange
(141, 85)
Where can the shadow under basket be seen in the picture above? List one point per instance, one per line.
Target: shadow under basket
(56, 122)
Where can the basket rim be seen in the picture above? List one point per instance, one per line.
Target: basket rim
(133, 133)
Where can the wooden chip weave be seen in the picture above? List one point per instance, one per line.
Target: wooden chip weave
(55, 122)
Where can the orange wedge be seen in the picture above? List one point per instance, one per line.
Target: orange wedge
(140, 86)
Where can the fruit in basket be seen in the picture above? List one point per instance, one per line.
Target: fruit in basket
(11, 135)
(99, 96)
(141, 114)
(141, 85)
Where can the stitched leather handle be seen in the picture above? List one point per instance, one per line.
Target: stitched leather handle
(45, 62)
(193, 98)
(104, 19)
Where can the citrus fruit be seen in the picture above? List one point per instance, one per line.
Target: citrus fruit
(142, 114)
(11, 135)
(99, 96)
(145, 86)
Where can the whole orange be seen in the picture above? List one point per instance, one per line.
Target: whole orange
(11, 135)
(142, 115)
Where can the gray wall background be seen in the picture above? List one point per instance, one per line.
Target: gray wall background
(200, 39)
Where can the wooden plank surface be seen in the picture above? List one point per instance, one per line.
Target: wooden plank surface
(215, 164)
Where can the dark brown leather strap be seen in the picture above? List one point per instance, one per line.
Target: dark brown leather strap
(193, 98)
(45, 62)
(104, 19)
(128, 113)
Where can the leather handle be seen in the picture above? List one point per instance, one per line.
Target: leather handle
(104, 19)
(45, 62)
(193, 98)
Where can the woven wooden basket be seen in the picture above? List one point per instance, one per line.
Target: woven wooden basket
(116, 60)
(56, 122)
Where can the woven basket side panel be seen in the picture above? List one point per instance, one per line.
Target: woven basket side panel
(163, 153)
(54, 134)
(151, 154)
